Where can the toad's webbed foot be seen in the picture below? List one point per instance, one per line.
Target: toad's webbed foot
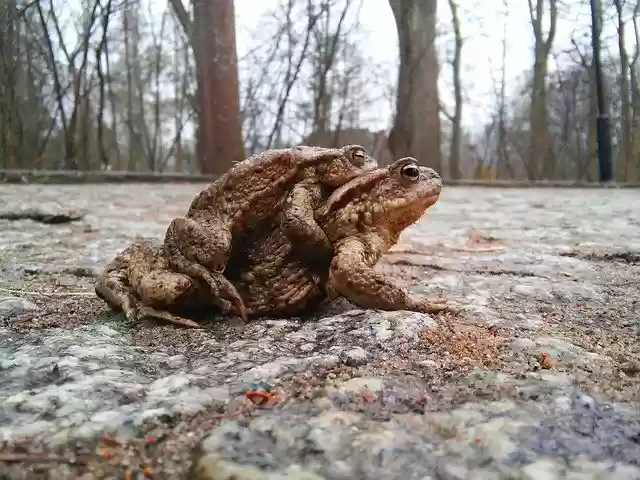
(223, 294)
(200, 249)
(118, 295)
(429, 305)
(145, 311)
(113, 286)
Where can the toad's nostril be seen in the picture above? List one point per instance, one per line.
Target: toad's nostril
(431, 174)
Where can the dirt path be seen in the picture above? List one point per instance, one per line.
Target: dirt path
(539, 379)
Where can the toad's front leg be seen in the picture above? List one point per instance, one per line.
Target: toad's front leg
(352, 276)
(200, 249)
(297, 222)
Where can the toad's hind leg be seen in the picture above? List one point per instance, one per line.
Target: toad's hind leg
(200, 249)
(150, 312)
(113, 288)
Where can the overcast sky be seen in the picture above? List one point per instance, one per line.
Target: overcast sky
(482, 26)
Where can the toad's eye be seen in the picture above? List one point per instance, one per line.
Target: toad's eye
(410, 172)
(358, 156)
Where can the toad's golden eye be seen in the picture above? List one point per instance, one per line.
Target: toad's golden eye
(357, 157)
(410, 172)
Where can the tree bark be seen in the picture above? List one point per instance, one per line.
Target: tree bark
(625, 157)
(219, 130)
(504, 169)
(416, 128)
(456, 122)
(212, 35)
(541, 156)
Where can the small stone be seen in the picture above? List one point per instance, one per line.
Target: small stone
(341, 469)
(563, 404)
(355, 357)
(13, 306)
(631, 368)
(536, 292)
(382, 328)
(428, 364)
(545, 468)
(360, 384)
(453, 471)
(307, 347)
(323, 403)
(409, 325)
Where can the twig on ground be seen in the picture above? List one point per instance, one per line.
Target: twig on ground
(47, 294)
(619, 284)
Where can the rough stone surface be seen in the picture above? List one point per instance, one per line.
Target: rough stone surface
(538, 378)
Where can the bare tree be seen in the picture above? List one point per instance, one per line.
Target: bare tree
(416, 128)
(212, 36)
(504, 167)
(323, 56)
(541, 158)
(625, 157)
(26, 122)
(456, 119)
(131, 57)
(73, 138)
(634, 175)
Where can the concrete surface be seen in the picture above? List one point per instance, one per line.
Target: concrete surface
(538, 379)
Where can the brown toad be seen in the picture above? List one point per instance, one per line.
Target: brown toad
(362, 219)
(199, 244)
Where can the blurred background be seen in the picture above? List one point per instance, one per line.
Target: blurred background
(476, 89)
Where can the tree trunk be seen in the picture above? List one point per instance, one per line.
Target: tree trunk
(504, 168)
(625, 156)
(541, 157)
(219, 130)
(416, 127)
(130, 27)
(633, 173)
(456, 123)
(590, 173)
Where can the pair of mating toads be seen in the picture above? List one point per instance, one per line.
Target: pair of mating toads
(279, 233)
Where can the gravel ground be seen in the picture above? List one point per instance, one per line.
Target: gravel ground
(537, 379)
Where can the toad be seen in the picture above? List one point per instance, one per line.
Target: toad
(251, 192)
(362, 219)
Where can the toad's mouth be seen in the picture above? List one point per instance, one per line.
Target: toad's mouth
(400, 204)
(431, 199)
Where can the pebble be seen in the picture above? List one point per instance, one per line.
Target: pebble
(14, 306)
(355, 357)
